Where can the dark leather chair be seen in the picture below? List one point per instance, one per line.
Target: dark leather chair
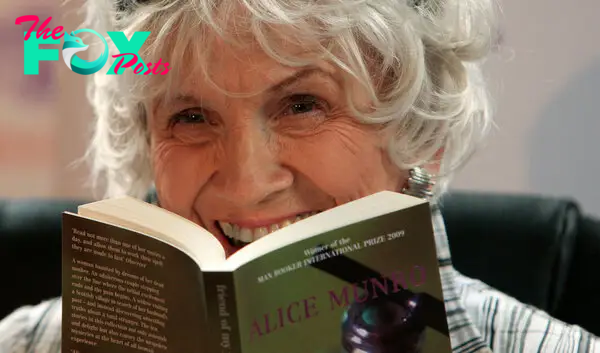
(542, 251)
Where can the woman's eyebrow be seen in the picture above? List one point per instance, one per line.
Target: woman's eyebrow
(297, 76)
(183, 99)
(186, 99)
(191, 99)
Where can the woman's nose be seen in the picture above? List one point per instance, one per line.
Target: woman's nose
(250, 170)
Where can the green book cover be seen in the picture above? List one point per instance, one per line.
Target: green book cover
(368, 283)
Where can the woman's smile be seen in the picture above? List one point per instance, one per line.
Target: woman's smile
(244, 231)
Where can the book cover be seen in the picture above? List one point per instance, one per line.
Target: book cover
(373, 286)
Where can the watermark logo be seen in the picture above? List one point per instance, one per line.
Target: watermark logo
(73, 44)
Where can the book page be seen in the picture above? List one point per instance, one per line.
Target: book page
(127, 292)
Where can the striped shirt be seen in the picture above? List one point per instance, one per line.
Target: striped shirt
(481, 319)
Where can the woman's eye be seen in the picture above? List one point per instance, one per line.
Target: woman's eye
(192, 126)
(188, 117)
(303, 104)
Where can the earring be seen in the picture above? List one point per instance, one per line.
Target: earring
(420, 183)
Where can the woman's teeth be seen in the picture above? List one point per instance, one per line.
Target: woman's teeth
(248, 235)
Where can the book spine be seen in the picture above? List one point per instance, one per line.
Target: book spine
(221, 308)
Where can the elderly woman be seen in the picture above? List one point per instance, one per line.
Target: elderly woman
(274, 107)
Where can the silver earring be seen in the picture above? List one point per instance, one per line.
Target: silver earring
(420, 183)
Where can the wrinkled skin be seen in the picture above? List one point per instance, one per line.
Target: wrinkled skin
(289, 147)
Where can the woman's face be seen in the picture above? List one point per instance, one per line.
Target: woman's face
(283, 146)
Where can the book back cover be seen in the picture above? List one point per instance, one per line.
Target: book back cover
(125, 292)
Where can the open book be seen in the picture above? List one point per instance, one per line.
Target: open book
(361, 277)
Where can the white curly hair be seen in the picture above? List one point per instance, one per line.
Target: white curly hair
(419, 60)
